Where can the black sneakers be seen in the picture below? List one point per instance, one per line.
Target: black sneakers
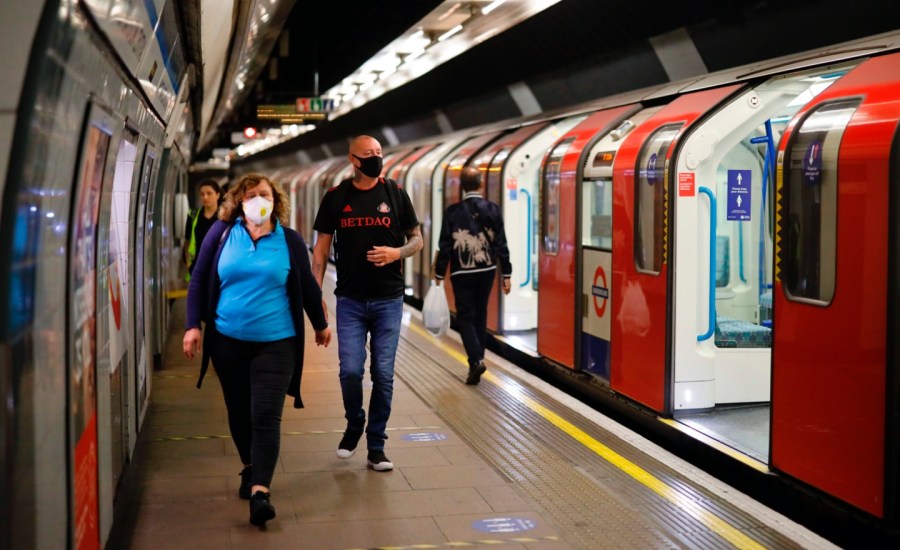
(261, 510)
(347, 446)
(379, 462)
(475, 372)
(246, 483)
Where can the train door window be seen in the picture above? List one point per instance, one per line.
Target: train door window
(550, 197)
(142, 263)
(494, 182)
(649, 199)
(809, 224)
(596, 215)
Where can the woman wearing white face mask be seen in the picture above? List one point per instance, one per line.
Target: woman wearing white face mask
(250, 286)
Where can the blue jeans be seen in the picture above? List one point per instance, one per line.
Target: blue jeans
(356, 319)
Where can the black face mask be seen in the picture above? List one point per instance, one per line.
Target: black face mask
(370, 166)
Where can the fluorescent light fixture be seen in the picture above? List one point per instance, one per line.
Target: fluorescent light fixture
(412, 55)
(450, 33)
(492, 6)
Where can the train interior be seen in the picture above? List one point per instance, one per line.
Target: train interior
(734, 151)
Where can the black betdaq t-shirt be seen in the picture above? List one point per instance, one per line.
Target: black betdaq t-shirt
(366, 220)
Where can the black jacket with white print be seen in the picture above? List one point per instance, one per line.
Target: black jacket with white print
(472, 238)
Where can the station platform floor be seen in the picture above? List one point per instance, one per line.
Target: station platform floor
(512, 463)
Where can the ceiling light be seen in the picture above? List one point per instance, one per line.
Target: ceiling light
(449, 33)
(412, 55)
(492, 6)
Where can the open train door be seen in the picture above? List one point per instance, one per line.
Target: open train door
(642, 188)
(834, 350)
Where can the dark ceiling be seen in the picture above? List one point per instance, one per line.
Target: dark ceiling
(571, 52)
(327, 44)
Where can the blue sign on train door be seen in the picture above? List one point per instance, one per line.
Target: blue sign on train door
(738, 195)
(812, 164)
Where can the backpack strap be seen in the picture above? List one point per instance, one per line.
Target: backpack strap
(393, 189)
(340, 195)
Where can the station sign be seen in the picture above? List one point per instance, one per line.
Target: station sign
(302, 110)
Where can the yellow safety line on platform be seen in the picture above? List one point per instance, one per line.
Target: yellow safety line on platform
(692, 508)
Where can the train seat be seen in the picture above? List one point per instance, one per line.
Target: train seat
(736, 333)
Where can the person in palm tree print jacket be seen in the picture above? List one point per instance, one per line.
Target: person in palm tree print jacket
(473, 243)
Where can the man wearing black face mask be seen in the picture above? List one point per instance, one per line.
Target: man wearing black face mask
(373, 225)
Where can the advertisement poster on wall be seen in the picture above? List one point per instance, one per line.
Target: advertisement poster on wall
(83, 343)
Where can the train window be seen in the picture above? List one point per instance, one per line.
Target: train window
(809, 224)
(596, 214)
(649, 199)
(494, 183)
(550, 197)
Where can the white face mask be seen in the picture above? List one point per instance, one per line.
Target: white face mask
(258, 210)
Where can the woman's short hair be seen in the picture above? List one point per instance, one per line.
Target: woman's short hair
(232, 205)
(212, 184)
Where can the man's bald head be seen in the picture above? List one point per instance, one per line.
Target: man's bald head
(365, 146)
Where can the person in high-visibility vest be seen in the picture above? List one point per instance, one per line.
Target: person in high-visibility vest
(199, 221)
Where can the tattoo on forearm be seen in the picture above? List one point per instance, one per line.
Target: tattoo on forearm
(413, 244)
(318, 269)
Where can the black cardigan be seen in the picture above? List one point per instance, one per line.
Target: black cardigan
(303, 291)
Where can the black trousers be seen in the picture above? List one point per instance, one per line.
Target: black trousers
(472, 291)
(254, 378)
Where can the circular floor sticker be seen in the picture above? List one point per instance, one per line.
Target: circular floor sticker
(504, 525)
(423, 436)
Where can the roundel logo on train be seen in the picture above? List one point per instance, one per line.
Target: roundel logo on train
(600, 291)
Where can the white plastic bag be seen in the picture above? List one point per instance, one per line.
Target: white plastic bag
(435, 311)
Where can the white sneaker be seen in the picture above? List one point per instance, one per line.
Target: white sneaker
(379, 462)
(347, 446)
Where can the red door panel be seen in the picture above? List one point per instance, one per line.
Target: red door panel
(556, 271)
(639, 306)
(829, 360)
